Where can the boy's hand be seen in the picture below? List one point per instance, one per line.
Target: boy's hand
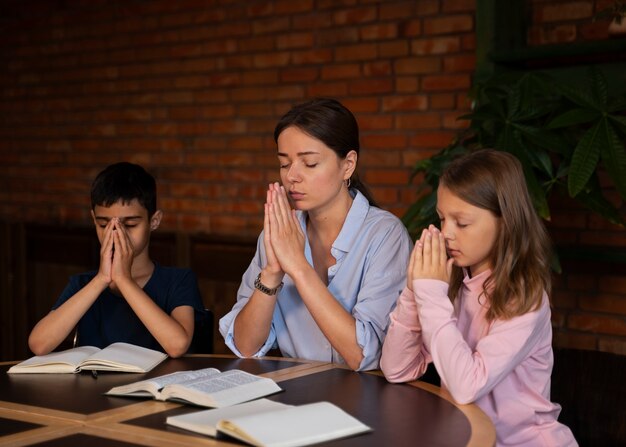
(123, 254)
(106, 253)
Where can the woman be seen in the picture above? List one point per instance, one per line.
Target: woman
(324, 277)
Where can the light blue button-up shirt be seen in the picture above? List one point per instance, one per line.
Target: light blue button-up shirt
(372, 254)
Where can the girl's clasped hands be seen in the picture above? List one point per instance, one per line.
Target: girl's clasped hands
(429, 259)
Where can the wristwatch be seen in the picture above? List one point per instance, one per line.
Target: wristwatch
(263, 288)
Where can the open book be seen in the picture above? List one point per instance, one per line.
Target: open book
(120, 357)
(204, 387)
(272, 424)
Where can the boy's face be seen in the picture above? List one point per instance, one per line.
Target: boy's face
(133, 216)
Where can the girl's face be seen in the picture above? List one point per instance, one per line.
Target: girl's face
(312, 173)
(470, 232)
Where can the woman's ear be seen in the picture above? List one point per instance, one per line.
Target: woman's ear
(349, 164)
(155, 220)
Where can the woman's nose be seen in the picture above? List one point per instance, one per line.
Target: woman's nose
(293, 175)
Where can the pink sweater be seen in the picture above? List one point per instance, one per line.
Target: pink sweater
(504, 366)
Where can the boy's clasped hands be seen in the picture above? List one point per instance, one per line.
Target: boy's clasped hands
(429, 259)
(116, 253)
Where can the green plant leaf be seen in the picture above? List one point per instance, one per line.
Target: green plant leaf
(598, 87)
(584, 160)
(574, 117)
(579, 97)
(613, 155)
(620, 121)
(513, 144)
(593, 199)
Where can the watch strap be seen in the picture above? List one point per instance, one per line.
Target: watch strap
(263, 288)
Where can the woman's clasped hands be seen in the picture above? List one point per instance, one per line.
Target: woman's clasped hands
(284, 239)
(429, 259)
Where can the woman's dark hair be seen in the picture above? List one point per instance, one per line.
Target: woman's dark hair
(333, 124)
(124, 181)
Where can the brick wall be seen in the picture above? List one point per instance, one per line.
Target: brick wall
(559, 21)
(192, 89)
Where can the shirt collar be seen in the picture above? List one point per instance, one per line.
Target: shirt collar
(475, 283)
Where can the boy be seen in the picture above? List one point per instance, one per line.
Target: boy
(130, 298)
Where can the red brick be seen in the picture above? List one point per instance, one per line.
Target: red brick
(341, 71)
(359, 52)
(355, 15)
(417, 121)
(385, 195)
(393, 49)
(407, 84)
(397, 10)
(370, 86)
(449, 24)
(377, 69)
(387, 158)
(361, 105)
(597, 324)
(335, 89)
(563, 11)
(299, 74)
(465, 62)
(375, 122)
(418, 65)
(458, 6)
(314, 56)
(573, 340)
(446, 82)
(384, 141)
(294, 40)
(270, 26)
(436, 45)
(387, 176)
(612, 304)
(291, 7)
(278, 59)
(337, 36)
(427, 139)
(442, 101)
(404, 102)
(614, 345)
(613, 284)
(382, 31)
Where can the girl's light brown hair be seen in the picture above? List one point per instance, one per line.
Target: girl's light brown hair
(520, 259)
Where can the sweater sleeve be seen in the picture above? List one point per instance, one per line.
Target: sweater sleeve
(404, 357)
(471, 374)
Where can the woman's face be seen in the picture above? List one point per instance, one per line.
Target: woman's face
(312, 173)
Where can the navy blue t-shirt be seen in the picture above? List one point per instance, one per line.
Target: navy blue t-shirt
(111, 319)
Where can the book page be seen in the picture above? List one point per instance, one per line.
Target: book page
(295, 426)
(55, 362)
(154, 385)
(228, 388)
(124, 357)
(205, 421)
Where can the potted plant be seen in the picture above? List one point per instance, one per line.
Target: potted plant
(616, 13)
(567, 139)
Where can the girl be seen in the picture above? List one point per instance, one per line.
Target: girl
(324, 277)
(481, 312)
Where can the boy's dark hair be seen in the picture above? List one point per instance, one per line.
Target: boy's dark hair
(124, 181)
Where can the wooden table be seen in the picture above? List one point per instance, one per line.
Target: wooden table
(70, 409)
